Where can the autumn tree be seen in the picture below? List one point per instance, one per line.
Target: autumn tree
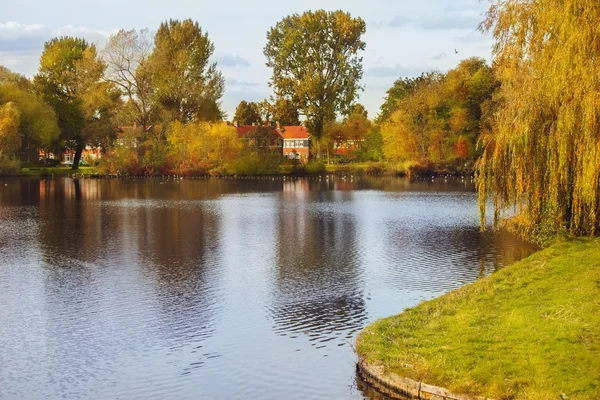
(247, 113)
(187, 85)
(198, 147)
(38, 125)
(542, 157)
(126, 55)
(438, 118)
(70, 79)
(315, 60)
(282, 111)
(285, 112)
(415, 130)
(10, 139)
(402, 87)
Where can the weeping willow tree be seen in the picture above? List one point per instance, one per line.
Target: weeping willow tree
(542, 157)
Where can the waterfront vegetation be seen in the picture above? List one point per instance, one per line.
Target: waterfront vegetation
(528, 332)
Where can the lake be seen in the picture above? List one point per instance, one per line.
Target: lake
(221, 288)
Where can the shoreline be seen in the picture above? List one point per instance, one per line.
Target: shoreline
(527, 331)
(401, 388)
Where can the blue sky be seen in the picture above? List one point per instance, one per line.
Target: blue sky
(404, 38)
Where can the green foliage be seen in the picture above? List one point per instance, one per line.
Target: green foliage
(542, 156)
(528, 332)
(403, 87)
(285, 112)
(70, 79)
(186, 84)
(314, 57)
(247, 113)
(255, 163)
(315, 167)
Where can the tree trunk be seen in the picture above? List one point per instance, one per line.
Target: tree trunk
(77, 157)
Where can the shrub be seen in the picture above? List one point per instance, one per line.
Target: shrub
(256, 163)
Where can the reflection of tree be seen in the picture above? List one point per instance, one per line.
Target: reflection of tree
(317, 291)
(128, 268)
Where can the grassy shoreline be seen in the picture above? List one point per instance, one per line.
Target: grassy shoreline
(530, 331)
(357, 169)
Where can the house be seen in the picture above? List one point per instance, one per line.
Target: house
(130, 136)
(296, 142)
(292, 141)
(88, 155)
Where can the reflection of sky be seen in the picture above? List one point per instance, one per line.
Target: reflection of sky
(162, 289)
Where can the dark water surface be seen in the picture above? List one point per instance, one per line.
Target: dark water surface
(221, 289)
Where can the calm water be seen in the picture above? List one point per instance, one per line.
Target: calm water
(221, 289)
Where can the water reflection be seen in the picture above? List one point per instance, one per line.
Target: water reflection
(161, 288)
(318, 291)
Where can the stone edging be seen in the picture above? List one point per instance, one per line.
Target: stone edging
(401, 388)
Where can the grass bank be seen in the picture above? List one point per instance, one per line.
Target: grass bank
(57, 171)
(530, 331)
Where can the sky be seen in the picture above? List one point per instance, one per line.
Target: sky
(403, 38)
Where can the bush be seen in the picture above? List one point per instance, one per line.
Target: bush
(377, 168)
(315, 167)
(9, 167)
(349, 169)
(256, 163)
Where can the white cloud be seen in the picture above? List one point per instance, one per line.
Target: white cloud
(235, 82)
(230, 60)
(22, 44)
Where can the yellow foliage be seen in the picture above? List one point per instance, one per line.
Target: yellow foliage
(10, 138)
(202, 144)
(543, 156)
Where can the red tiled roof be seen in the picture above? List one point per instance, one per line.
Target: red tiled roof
(294, 132)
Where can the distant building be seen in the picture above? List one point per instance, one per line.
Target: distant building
(296, 142)
(88, 155)
(130, 136)
(292, 141)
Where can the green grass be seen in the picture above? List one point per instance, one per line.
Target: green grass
(530, 331)
(57, 171)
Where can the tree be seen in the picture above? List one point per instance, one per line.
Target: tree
(438, 117)
(247, 113)
(201, 146)
(126, 55)
(543, 155)
(285, 112)
(187, 86)
(402, 88)
(10, 139)
(314, 57)
(70, 79)
(38, 122)
(38, 125)
(415, 130)
(282, 111)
